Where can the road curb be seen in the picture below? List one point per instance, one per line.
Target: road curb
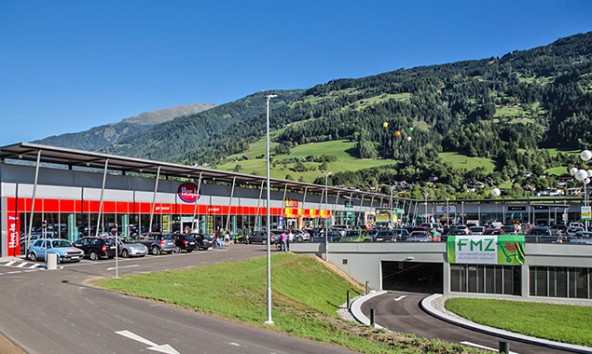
(356, 308)
(427, 306)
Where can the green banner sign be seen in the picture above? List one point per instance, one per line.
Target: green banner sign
(484, 249)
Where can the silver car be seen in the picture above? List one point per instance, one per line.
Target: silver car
(131, 248)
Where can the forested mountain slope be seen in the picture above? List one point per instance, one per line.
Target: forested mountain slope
(503, 108)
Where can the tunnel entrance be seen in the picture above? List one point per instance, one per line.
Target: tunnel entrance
(413, 277)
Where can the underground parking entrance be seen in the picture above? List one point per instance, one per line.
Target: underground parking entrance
(412, 276)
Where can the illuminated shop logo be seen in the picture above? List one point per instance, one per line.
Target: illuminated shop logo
(188, 192)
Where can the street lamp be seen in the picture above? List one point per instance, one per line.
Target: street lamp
(268, 228)
(327, 174)
(447, 213)
(425, 216)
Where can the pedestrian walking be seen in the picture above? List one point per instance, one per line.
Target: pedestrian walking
(284, 241)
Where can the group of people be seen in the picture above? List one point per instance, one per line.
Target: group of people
(221, 238)
(285, 238)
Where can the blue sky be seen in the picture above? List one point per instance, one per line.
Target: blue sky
(67, 66)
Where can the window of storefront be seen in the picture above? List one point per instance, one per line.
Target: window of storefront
(487, 279)
(561, 282)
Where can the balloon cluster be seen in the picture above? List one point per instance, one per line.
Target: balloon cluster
(398, 132)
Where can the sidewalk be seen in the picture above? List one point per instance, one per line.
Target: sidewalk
(434, 305)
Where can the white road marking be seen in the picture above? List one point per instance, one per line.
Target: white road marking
(127, 266)
(17, 272)
(234, 344)
(10, 263)
(483, 347)
(400, 298)
(22, 265)
(165, 348)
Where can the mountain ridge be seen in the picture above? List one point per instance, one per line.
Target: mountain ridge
(100, 137)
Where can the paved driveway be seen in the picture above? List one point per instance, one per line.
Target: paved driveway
(55, 312)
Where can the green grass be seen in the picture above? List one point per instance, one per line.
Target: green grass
(345, 161)
(303, 305)
(509, 112)
(562, 323)
(463, 162)
(371, 101)
(556, 171)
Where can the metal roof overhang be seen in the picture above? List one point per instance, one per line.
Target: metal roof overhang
(71, 157)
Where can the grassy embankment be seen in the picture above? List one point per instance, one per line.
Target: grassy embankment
(303, 305)
(561, 323)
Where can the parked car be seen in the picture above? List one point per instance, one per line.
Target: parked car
(257, 237)
(454, 232)
(356, 236)
(96, 247)
(203, 241)
(158, 243)
(385, 236)
(494, 231)
(419, 236)
(572, 230)
(62, 248)
(301, 235)
(332, 236)
(539, 231)
(462, 227)
(477, 230)
(129, 247)
(510, 229)
(581, 238)
(184, 243)
(401, 234)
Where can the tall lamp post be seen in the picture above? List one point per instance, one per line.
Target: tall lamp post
(326, 174)
(425, 215)
(268, 228)
(447, 213)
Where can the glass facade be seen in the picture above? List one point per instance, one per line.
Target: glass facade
(563, 282)
(486, 279)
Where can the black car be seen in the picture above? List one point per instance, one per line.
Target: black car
(203, 242)
(96, 247)
(332, 236)
(185, 243)
(385, 236)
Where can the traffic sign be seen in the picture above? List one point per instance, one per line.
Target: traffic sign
(586, 213)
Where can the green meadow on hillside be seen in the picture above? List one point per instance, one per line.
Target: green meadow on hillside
(255, 164)
(464, 162)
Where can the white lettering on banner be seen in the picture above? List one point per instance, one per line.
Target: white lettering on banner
(161, 208)
(12, 231)
(476, 249)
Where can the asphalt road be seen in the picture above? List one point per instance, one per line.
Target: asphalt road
(401, 312)
(55, 312)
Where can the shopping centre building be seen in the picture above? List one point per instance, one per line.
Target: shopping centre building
(52, 191)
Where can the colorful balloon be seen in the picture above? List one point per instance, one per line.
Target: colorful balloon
(397, 133)
(408, 138)
(410, 129)
(385, 124)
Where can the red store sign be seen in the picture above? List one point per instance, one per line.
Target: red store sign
(188, 192)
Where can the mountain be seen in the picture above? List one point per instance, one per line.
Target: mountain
(103, 136)
(426, 125)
